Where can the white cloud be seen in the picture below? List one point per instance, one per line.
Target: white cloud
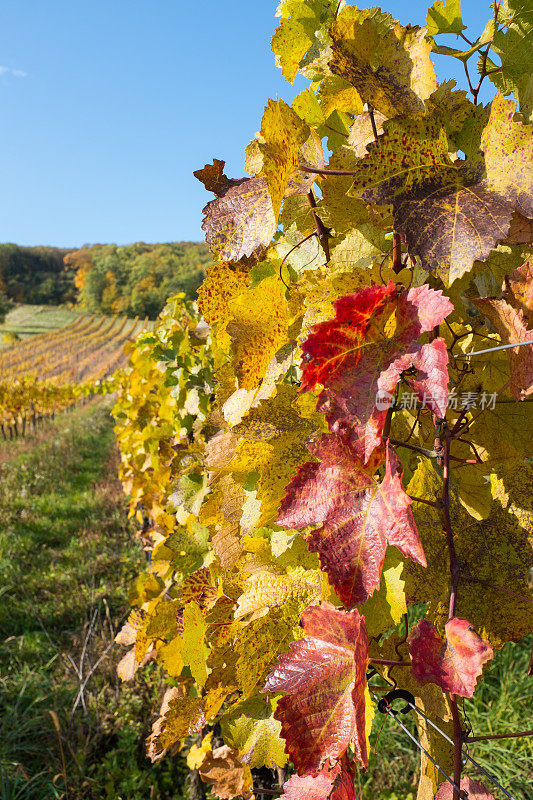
(16, 73)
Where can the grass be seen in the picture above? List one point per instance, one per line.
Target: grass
(29, 320)
(67, 556)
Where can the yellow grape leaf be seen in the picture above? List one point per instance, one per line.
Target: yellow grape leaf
(388, 64)
(283, 132)
(179, 717)
(308, 108)
(222, 283)
(337, 94)
(226, 538)
(193, 651)
(370, 713)
(253, 732)
(258, 328)
(169, 656)
(496, 551)
(273, 439)
(197, 755)
(508, 149)
(259, 643)
(264, 591)
(387, 605)
(162, 624)
(290, 42)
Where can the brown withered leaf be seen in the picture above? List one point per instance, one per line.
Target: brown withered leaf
(227, 776)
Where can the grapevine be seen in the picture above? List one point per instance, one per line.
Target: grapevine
(331, 457)
(51, 373)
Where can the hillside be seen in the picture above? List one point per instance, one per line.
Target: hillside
(134, 279)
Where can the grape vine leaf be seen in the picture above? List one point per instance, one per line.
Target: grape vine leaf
(388, 64)
(227, 776)
(452, 214)
(255, 734)
(295, 35)
(410, 152)
(518, 290)
(510, 324)
(358, 516)
(240, 222)
(223, 282)
(495, 554)
(336, 94)
(193, 651)
(283, 132)
(475, 790)
(513, 44)
(444, 16)
(179, 717)
(260, 642)
(223, 511)
(263, 590)
(453, 664)
(508, 150)
(387, 605)
(323, 677)
(334, 783)
(360, 354)
(258, 329)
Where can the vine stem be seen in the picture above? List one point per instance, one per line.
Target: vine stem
(322, 232)
(324, 171)
(387, 662)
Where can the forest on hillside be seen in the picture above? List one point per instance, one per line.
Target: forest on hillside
(133, 279)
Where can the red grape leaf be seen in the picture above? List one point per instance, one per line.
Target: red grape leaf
(454, 664)
(475, 790)
(330, 784)
(323, 676)
(358, 404)
(358, 515)
(360, 354)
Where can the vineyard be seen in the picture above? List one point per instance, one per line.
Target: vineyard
(330, 458)
(49, 373)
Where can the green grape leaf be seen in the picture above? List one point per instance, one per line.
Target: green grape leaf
(513, 43)
(255, 734)
(444, 16)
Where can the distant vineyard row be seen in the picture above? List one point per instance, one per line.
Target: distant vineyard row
(49, 373)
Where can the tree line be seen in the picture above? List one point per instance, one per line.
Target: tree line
(131, 279)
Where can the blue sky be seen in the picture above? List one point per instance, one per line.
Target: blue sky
(109, 105)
